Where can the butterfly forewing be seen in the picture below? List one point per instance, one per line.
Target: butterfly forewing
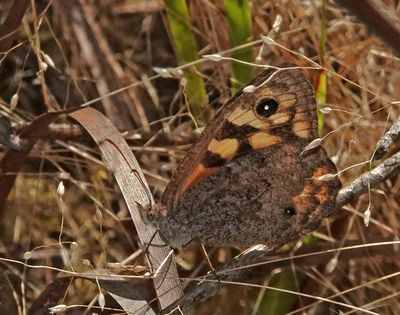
(281, 107)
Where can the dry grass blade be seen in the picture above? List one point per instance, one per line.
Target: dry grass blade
(131, 298)
(131, 294)
(9, 29)
(123, 164)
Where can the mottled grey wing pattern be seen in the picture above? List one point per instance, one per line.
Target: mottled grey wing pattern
(245, 180)
(270, 196)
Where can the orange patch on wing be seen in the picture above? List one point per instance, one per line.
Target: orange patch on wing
(323, 194)
(302, 129)
(307, 190)
(261, 140)
(320, 171)
(280, 118)
(315, 190)
(200, 172)
(225, 148)
(301, 126)
(241, 117)
(287, 101)
(302, 200)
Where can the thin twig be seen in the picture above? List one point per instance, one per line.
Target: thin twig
(383, 144)
(387, 168)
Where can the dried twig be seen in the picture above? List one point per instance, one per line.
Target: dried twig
(387, 168)
(383, 144)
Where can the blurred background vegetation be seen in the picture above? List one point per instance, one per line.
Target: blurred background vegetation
(65, 53)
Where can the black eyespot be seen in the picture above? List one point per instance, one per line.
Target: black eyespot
(290, 211)
(266, 107)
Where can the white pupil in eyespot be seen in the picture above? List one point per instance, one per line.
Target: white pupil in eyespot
(266, 107)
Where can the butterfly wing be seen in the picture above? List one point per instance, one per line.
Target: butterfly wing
(281, 107)
(245, 180)
(270, 196)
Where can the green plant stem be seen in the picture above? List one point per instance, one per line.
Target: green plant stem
(186, 51)
(238, 13)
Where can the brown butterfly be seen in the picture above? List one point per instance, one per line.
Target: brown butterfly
(247, 180)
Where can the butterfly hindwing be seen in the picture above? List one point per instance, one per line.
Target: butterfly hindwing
(269, 196)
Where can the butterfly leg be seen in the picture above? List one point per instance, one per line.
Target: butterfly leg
(207, 258)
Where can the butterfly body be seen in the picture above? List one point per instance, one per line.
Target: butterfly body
(247, 179)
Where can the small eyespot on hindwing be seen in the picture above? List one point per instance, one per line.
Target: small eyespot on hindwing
(290, 211)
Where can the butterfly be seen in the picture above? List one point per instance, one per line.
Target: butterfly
(247, 179)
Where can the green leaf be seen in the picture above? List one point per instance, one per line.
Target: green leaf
(276, 302)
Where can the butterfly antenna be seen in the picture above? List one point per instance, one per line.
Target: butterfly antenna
(207, 258)
(139, 178)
